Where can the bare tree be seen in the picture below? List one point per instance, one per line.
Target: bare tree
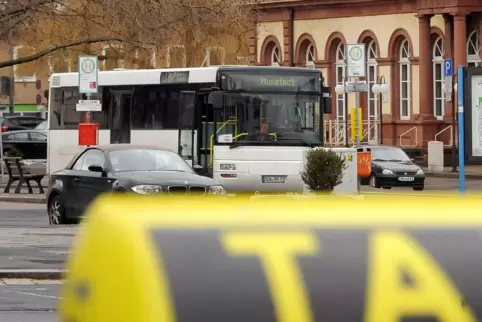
(48, 26)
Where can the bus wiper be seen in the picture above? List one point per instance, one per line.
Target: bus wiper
(243, 143)
(304, 142)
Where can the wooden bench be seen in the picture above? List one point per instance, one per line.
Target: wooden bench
(18, 171)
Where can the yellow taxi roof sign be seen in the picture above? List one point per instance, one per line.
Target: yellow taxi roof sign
(144, 258)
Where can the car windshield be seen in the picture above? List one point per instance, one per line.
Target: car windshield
(41, 126)
(389, 154)
(147, 160)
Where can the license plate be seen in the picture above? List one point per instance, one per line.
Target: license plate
(406, 178)
(273, 179)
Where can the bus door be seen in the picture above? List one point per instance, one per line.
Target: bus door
(188, 129)
(120, 116)
(205, 119)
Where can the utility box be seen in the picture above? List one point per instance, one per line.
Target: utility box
(435, 156)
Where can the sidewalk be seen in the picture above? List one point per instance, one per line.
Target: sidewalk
(23, 196)
(472, 172)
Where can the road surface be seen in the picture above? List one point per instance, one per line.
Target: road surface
(27, 241)
(28, 303)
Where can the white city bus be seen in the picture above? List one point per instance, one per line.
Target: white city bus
(247, 126)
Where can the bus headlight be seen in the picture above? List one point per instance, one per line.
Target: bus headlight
(217, 190)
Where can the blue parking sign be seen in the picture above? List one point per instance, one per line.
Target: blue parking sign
(448, 68)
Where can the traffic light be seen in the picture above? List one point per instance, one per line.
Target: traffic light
(5, 85)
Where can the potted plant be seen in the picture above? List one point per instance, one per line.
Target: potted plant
(323, 170)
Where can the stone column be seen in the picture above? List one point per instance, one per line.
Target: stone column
(479, 17)
(253, 45)
(287, 33)
(460, 40)
(425, 68)
(460, 43)
(448, 53)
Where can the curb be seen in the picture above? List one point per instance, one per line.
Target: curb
(402, 194)
(18, 199)
(34, 274)
(470, 176)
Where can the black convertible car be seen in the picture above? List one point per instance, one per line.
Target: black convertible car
(391, 167)
(121, 168)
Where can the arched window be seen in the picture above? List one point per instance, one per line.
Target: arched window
(275, 56)
(473, 49)
(372, 74)
(405, 77)
(340, 75)
(438, 78)
(310, 56)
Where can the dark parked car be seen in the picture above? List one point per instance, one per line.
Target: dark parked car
(121, 168)
(15, 123)
(28, 144)
(391, 167)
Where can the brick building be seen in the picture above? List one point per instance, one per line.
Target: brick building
(406, 43)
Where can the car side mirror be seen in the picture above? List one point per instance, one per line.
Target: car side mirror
(198, 169)
(97, 168)
(412, 159)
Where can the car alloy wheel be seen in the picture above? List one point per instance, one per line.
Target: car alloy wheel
(55, 211)
(374, 182)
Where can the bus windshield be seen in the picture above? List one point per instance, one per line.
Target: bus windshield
(273, 116)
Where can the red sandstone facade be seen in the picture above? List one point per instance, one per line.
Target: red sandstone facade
(460, 38)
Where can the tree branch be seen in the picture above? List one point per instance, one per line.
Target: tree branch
(25, 9)
(42, 53)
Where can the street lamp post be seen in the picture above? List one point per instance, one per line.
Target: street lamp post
(380, 88)
(454, 128)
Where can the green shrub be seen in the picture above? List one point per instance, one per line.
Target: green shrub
(323, 170)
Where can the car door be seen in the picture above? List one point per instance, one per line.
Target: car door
(87, 184)
(39, 145)
(8, 142)
(69, 194)
(23, 144)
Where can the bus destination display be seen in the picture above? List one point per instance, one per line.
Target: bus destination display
(281, 83)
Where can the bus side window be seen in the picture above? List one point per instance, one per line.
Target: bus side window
(63, 112)
(55, 108)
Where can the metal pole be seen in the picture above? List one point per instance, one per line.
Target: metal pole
(357, 127)
(460, 92)
(87, 114)
(1, 157)
(357, 123)
(11, 96)
(454, 131)
(347, 133)
(380, 104)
